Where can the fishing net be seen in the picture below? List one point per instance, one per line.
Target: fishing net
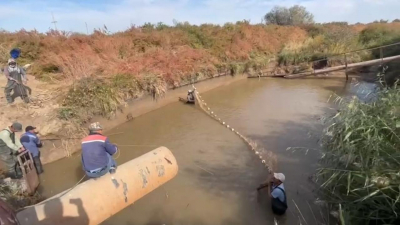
(268, 159)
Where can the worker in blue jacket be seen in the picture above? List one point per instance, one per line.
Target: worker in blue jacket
(32, 143)
(97, 153)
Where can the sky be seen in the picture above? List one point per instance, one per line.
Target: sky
(73, 15)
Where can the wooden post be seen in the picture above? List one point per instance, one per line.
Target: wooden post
(345, 61)
(381, 52)
(313, 66)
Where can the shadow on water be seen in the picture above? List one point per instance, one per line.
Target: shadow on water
(54, 213)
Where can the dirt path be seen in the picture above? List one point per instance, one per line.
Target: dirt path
(41, 112)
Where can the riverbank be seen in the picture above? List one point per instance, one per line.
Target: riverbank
(80, 78)
(42, 113)
(62, 137)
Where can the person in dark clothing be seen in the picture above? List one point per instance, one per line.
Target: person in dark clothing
(32, 143)
(97, 153)
(277, 193)
(10, 148)
(16, 77)
(190, 97)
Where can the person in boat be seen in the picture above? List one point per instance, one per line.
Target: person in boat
(190, 97)
(97, 152)
(276, 191)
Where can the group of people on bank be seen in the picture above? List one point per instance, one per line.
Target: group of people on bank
(10, 147)
(97, 150)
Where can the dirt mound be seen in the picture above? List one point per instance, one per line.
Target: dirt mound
(41, 112)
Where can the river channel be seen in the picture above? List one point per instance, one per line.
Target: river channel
(218, 174)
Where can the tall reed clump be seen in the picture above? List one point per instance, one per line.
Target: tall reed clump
(91, 97)
(361, 161)
(153, 84)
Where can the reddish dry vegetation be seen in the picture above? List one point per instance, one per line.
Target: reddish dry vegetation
(173, 52)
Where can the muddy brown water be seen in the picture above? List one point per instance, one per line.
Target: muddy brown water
(218, 174)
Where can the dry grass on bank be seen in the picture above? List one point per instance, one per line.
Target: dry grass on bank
(97, 72)
(173, 52)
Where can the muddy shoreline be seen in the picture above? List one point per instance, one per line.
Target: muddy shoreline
(52, 152)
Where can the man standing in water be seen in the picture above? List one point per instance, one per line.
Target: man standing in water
(190, 97)
(9, 147)
(32, 143)
(97, 153)
(276, 191)
(16, 78)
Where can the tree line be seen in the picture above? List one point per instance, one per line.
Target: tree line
(297, 15)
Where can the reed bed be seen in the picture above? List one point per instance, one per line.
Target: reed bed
(361, 160)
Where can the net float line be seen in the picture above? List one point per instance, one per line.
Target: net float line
(267, 158)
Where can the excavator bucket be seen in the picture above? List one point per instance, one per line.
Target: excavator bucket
(29, 174)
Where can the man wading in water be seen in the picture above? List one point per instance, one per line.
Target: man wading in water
(32, 143)
(97, 153)
(190, 98)
(276, 191)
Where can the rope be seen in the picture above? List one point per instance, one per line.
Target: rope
(137, 145)
(66, 192)
(268, 161)
(119, 151)
(73, 186)
(119, 154)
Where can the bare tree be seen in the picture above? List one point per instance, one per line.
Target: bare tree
(295, 15)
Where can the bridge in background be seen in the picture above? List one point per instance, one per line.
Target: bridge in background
(346, 66)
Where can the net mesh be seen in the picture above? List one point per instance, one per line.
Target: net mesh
(268, 158)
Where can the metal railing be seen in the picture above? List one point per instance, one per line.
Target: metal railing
(271, 73)
(345, 55)
(358, 50)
